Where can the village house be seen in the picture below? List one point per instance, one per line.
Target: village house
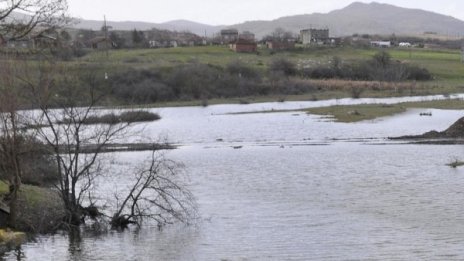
(277, 45)
(35, 40)
(249, 36)
(229, 36)
(100, 43)
(314, 36)
(162, 43)
(381, 44)
(244, 46)
(165, 39)
(25, 43)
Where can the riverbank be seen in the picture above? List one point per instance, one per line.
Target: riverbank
(40, 209)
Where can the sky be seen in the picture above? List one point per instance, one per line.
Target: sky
(228, 12)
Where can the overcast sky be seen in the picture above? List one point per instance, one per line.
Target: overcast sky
(226, 12)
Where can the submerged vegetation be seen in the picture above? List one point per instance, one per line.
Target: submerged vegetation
(125, 117)
(456, 163)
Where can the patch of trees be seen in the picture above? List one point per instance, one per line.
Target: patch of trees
(237, 79)
(186, 82)
(381, 67)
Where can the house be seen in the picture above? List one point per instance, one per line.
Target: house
(244, 46)
(249, 36)
(100, 42)
(229, 36)
(314, 36)
(44, 41)
(165, 39)
(20, 43)
(281, 45)
(381, 44)
(162, 43)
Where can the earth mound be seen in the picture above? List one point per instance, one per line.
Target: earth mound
(455, 131)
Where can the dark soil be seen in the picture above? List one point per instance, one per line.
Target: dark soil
(455, 132)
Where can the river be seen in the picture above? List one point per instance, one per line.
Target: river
(291, 186)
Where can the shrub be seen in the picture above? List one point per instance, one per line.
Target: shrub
(242, 70)
(418, 74)
(283, 65)
(38, 168)
(111, 118)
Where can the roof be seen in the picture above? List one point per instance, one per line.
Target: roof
(245, 42)
(98, 39)
(229, 31)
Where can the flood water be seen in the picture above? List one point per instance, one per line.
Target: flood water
(291, 186)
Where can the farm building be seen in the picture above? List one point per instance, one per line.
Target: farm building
(244, 46)
(314, 36)
(229, 36)
(249, 36)
(381, 44)
(100, 42)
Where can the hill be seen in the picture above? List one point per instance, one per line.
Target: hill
(176, 25)
(373, 18)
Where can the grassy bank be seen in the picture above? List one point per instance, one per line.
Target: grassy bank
(214, 74)
(355, 113)
(40, 209)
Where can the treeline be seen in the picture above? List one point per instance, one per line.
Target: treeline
(194, 81)
(380, 68)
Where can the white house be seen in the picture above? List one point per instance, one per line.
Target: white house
(381, 44)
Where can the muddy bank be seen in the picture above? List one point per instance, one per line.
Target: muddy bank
(118, 147)
(453, 135)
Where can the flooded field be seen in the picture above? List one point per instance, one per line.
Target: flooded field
(291, 186)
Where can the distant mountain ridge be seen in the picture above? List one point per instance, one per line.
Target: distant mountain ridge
(372, 18)
(176, 25)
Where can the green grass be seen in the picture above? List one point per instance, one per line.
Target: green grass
(32, 194)
(445, 65)
(355, 113)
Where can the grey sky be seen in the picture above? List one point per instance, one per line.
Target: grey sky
(216, 12)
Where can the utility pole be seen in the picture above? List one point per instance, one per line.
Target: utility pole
(106, 37)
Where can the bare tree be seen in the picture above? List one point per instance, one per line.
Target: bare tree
(157, 193)
(19, 17)
(279, 35)
(77, 147)
(10, 139)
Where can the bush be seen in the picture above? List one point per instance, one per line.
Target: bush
(195, 81)
(287, 67)
(38, 168)
(240, 69)
(125, 117)
(419, 74)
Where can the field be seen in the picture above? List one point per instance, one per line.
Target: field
(445, 65)
(207, 86)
